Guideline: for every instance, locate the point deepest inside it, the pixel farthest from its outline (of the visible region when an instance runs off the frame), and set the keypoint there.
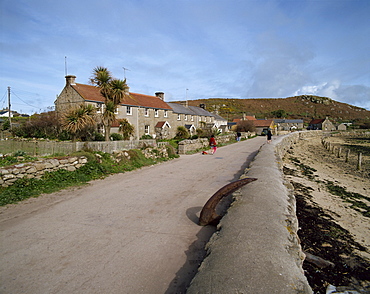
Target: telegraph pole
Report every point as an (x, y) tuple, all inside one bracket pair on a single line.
[(10, 122)]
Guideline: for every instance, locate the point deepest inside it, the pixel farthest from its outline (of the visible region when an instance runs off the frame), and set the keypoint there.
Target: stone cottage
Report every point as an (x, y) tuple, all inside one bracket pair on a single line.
[(321, 124), (150, 115)]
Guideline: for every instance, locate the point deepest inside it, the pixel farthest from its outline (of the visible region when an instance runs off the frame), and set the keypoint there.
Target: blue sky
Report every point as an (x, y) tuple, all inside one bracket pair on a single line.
[(187, 48)]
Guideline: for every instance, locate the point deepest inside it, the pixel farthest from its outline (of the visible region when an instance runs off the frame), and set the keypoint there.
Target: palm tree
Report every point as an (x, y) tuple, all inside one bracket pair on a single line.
[(126, 129), (113, 91), (78, 119), (108, 118)]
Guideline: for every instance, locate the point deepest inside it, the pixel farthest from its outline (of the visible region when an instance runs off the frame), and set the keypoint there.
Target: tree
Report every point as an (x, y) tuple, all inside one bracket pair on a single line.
[(279, 113), (77, 120), (245, 126), (43, 125), (113, 90), (126, 129)]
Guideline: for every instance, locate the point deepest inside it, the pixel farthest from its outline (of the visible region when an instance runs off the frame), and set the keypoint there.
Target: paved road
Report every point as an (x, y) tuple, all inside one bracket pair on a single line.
[(129, 233)]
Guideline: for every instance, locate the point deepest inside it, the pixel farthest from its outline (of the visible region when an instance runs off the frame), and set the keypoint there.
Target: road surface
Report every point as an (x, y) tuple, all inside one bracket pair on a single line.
[(135, 232)]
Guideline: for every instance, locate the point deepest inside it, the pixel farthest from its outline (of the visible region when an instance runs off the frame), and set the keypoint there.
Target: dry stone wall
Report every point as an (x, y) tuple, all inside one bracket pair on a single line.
[(186, 146), (8, 175)]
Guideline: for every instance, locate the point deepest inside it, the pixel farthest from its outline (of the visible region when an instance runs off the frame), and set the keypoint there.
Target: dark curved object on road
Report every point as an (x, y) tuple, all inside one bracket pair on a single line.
[(208, 215)]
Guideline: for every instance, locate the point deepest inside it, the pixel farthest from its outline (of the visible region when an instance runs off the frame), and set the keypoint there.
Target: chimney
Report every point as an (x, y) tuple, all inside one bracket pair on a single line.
[(160, 95), (202, 106), (184, 103), (70, 80)]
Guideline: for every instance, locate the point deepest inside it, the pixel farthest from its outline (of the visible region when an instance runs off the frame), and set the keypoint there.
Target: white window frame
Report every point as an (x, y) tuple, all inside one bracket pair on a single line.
[(178, 116), (156, 112), (128, 110), (146, 112), (166, 113), (185, 117), (99, 107), (192, 118), (147, 129)]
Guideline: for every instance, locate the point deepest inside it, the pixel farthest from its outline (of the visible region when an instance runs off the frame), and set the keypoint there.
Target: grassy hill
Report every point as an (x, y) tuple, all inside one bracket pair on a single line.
[(303, 107)]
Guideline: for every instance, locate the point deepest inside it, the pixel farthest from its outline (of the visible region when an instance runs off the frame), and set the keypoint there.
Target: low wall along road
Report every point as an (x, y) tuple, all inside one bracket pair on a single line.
[(256, 248)]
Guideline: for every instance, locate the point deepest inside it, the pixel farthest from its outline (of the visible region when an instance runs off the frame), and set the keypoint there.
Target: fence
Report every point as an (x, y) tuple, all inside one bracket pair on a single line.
[(339, 151), (43, 148)]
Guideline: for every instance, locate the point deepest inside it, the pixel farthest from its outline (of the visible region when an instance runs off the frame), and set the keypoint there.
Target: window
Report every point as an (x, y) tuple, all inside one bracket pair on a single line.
[(156, 112), (179, 116), (128, 110), (165, 113), (185, 117), (99, 107), (146, 111), (147, 129), (192, 118)]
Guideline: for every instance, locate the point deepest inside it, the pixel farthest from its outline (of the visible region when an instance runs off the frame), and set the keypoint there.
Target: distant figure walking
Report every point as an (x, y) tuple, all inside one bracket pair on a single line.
[(213, 144), (238, 136), (269, 136)]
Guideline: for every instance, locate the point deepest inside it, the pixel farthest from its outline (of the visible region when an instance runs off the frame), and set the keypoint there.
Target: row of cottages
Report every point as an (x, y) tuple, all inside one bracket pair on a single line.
[(150, 115), (274, 125)]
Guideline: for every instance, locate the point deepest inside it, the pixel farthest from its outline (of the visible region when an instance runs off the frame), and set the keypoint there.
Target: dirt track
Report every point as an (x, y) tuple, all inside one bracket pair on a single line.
[(130, 233)]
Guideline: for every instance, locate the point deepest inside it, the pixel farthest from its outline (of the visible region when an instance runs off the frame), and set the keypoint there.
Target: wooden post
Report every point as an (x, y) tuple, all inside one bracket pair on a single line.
[(359, 161), (347, 155), (339, 152)]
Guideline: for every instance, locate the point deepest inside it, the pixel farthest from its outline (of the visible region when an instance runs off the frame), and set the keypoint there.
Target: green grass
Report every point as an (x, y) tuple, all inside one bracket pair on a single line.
[(16, 157), (97, 167)]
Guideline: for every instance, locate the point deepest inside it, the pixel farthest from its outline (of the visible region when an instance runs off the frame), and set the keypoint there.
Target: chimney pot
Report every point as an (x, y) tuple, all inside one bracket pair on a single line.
[(70, 80), (160, 95)]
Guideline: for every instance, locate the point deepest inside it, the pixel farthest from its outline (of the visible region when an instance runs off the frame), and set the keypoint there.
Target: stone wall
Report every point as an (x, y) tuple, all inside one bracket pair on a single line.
[(8, 175), (186, 146), (256, 248)]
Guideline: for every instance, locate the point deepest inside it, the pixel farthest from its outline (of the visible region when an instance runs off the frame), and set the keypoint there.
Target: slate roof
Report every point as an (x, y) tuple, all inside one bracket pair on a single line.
[(179, 108), (290, 121), (200, 111), (218, 117), (92, 93)]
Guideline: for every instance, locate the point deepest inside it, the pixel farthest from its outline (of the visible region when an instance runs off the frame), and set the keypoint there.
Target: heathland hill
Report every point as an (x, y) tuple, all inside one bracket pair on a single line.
[(303, 107)]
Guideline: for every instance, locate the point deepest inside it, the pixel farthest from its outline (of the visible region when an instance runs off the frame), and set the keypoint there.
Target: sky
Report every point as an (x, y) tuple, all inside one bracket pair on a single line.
[(188, 49)]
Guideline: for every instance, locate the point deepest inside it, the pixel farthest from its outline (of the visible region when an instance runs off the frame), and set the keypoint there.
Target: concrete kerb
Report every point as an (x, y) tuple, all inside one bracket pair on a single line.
[(256, 248)]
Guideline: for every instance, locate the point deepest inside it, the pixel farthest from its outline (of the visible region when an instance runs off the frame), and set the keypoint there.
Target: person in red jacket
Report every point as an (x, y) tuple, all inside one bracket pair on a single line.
[(213, 144)]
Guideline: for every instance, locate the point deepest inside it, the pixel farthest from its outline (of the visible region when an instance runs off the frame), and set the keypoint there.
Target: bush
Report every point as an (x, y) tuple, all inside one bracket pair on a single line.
[(146, 137), (98, 137), (182, 133), (116, 137)]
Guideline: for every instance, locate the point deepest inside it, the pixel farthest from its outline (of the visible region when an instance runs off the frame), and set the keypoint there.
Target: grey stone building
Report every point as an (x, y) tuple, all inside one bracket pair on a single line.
[(150, 115)]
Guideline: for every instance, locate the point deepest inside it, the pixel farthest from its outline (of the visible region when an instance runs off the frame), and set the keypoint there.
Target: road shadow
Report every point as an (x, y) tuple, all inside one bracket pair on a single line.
[(194, 256), (196, 251), (193, 214), (244, 166)]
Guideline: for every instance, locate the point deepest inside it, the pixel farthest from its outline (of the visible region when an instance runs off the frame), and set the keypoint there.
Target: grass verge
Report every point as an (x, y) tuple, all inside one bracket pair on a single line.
[(99, 165)]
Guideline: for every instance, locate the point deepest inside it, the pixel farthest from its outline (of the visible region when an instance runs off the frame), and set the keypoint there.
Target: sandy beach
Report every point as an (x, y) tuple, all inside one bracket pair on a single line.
[(333, 209)]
